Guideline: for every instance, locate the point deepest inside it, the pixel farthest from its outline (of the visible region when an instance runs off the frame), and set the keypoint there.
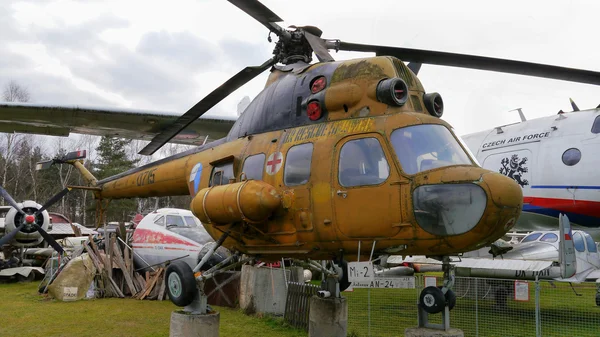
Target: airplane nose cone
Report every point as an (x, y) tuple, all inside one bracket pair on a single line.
[(29, 219)]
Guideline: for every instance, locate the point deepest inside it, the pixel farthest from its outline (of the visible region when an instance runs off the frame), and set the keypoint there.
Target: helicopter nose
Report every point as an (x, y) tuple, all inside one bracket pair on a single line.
[(507, 198)]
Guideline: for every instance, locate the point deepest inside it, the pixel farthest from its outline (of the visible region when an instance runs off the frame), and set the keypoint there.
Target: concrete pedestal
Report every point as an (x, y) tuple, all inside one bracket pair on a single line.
[(184, 324), (328, 317), (425, 332), (263, 289)]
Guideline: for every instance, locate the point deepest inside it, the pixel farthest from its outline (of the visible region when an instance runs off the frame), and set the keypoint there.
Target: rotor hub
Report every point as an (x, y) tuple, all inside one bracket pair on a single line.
[(29, 219)]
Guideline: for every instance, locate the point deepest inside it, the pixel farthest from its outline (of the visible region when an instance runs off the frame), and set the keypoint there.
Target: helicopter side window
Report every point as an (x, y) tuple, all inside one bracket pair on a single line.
[(362, 162), (175, 221), (596, 125), (426, 147), (221, 174), (297, 164), (591, 245), (578, 242), (254, 166)]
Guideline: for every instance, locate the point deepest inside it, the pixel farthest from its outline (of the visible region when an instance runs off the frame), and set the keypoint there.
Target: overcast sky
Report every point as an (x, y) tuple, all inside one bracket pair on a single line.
[(166, 55)]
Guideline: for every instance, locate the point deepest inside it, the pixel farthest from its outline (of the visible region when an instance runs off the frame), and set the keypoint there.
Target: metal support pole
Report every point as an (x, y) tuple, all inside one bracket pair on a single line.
[(211, 251), (476, 309), (538, 327)]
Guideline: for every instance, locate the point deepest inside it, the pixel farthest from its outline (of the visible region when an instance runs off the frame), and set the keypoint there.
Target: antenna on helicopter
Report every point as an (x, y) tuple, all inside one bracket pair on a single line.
[(520, 114), (575, 107)]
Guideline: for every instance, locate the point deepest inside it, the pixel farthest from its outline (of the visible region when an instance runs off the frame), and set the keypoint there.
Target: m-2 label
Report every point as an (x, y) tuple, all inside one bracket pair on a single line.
[(360, 272)]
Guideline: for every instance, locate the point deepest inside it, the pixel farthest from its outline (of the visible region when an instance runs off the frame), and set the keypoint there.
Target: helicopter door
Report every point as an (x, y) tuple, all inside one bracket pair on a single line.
[(366, 203)]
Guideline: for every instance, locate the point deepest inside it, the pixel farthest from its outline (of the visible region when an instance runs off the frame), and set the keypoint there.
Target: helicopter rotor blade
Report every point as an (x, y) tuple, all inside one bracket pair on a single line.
[(10, 200), (49, 239), (478, 62), (53, 200), (319, 47), (8, 237), (204, 105), (262, 14)]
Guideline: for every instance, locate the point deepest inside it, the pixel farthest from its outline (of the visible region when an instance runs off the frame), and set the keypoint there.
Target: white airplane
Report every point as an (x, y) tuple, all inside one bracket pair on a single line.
[(169, 234), (555, 159)]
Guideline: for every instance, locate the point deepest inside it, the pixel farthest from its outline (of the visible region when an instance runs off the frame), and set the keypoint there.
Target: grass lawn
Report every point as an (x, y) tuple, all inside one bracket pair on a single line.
[(26, 313)]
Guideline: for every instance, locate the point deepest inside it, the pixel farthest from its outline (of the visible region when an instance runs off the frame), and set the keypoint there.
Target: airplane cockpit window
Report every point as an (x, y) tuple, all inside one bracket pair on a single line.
[(596, 125), (578, 242), (591, 245), (427, 146), (175, 221), (254, 166), (160, 221), (362, 162), (549, 237), (221, 174), (297, 164), (190, 221), (531, 237)]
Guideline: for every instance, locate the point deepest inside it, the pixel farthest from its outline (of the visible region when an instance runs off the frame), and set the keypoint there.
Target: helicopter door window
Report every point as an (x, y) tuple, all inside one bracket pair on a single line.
[(578, 242), (221, 174), (362, 162), (591, 245), (175, 221), (297, 164), (254, 166), (596, 125), (427, 146)]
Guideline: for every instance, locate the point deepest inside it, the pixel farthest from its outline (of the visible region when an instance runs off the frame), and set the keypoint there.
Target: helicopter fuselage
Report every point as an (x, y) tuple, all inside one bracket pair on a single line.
[(296, 180)]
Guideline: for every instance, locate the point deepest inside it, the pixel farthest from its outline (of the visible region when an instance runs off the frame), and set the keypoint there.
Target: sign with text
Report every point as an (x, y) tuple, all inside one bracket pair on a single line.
[(360, 272), (430, 281), (387, 282), (69, 293), (515, 139), (521, 291)]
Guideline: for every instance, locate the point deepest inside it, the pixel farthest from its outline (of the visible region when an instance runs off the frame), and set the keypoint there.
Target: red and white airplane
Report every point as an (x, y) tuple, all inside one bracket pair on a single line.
[(555, 159), (169, 234)]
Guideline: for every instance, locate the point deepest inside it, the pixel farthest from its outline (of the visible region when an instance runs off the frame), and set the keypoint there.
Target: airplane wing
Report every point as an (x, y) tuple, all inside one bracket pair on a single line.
[(55, 120)]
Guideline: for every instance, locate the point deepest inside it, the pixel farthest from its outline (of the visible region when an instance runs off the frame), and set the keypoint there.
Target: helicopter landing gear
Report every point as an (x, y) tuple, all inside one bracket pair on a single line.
[(434, 300)]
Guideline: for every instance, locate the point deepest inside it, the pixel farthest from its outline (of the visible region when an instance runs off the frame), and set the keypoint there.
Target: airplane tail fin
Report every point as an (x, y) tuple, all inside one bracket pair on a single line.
[(567, 259)]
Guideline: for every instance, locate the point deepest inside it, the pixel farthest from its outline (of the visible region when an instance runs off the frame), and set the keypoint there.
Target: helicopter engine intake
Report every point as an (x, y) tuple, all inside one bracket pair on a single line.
[(251, 201)]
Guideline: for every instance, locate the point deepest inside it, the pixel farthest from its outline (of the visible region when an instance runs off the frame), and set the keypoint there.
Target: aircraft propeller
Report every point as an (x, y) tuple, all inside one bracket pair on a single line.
[(29, 219), (299, 44)]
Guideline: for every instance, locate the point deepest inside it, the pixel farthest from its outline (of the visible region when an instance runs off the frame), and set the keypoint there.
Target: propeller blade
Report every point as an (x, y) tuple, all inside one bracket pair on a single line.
[(43, 165), (10, 200), (319, 47), (262, 14), (50, 239), (414, 67), (75, 155), (204, 105), (54, 199), (8, 237), (478, 62)]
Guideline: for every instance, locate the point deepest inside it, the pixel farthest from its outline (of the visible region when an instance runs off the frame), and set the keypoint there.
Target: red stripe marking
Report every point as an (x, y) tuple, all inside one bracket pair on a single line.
[(141, 235), (584, 207)]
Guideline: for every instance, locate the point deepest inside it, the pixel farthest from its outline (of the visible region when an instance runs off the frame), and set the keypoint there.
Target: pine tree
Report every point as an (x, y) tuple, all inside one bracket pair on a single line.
[(112, 160)]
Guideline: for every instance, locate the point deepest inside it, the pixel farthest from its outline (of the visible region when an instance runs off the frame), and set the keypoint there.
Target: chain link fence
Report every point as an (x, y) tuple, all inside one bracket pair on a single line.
[(484, 307)]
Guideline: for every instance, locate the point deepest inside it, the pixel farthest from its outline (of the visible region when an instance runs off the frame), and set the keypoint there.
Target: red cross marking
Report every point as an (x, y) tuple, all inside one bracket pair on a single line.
[(274, 163)]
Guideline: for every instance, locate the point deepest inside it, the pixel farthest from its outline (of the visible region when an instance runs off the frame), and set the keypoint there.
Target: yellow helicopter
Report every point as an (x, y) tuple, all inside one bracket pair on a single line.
[(332, 154)]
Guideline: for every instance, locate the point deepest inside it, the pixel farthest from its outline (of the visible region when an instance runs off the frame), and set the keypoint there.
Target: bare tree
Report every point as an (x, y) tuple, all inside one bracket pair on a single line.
[(14, 92)]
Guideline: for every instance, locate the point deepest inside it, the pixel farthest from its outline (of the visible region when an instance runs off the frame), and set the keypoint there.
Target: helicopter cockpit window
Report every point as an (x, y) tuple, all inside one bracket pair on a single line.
[(427, 146), (221, 174), (362, 162), (254, 166), (578, 242), (596, 125), (591, 245), (175, 221), (297, 164)]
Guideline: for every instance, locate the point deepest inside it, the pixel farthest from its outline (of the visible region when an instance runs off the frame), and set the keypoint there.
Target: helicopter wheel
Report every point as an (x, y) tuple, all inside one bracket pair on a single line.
[(181, 284), (344, 283), (450, 298), (432, 300), (598, 300)]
